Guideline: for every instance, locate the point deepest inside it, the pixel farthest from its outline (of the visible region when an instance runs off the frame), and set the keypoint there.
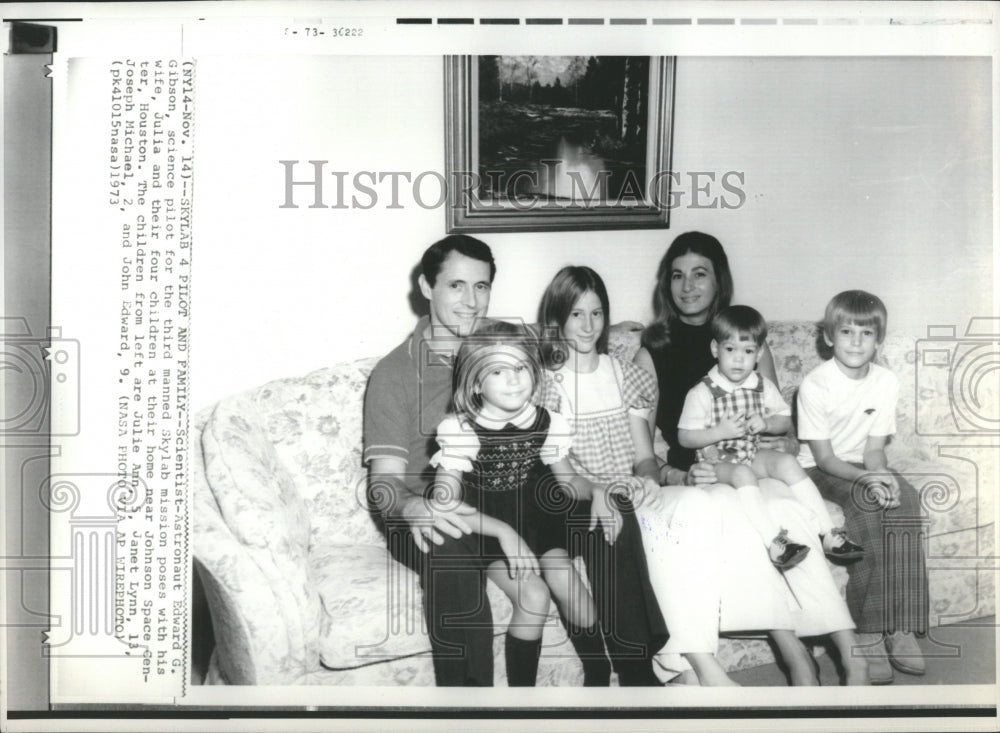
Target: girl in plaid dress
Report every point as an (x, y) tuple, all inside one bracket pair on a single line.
[(723, 417), (608, 403), (504, 456)]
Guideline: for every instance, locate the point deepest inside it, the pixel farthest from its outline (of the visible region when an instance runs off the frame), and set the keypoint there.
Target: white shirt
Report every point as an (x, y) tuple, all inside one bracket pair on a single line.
[(845, 411), (594, 394)]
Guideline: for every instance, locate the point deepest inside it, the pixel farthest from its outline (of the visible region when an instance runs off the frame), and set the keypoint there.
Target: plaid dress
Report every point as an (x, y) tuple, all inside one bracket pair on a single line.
[(741, 401), (597, 407)]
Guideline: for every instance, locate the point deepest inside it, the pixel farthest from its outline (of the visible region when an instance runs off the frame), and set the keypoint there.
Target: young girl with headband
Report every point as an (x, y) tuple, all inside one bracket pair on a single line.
[(507, 458)]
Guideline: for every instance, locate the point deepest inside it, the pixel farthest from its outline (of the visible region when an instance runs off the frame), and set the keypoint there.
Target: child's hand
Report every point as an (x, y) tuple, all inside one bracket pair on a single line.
[(650, 495), (882, 488), (894, 490), (604, 512), (520, 560), (628, 487), (892, 486), (756, 424), (733, 426)]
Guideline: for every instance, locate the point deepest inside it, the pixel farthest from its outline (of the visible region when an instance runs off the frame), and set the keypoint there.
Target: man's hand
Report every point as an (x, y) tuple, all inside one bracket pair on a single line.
[(520, 559), (428, 522), (604, 512)]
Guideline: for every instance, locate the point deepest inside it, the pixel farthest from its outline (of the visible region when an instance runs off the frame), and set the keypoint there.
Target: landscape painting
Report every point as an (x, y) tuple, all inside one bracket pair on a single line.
[(556, 142)]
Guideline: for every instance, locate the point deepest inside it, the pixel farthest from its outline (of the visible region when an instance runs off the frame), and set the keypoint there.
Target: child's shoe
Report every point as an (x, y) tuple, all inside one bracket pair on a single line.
[(837, 546), (785, 554)]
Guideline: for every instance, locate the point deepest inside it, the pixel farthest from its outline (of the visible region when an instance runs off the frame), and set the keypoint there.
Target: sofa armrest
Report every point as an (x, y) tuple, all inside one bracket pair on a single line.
[(251, 537)]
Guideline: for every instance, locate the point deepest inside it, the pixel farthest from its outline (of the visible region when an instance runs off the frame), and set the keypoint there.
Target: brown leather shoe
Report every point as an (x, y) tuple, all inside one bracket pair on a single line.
[(872, 647), (904, 653)]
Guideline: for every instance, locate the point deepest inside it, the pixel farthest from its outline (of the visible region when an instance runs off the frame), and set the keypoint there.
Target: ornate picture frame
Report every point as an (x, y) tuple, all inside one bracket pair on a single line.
[(527, 151)]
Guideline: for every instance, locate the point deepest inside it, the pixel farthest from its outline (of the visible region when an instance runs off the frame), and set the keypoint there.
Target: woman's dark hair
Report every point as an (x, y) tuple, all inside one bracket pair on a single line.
[(657, 334), (557, 303)]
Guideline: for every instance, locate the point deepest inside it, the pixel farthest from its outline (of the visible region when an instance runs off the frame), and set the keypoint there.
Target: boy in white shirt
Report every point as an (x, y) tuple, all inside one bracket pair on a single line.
[(723, 417), (846, 413)]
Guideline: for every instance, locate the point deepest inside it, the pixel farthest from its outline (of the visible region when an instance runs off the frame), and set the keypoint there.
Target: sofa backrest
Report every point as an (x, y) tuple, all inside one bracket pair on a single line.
[(312, 426), (795, 346), (314, 422)]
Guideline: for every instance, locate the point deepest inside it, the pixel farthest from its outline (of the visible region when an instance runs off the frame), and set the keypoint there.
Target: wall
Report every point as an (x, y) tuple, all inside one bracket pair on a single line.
[(859, 172)]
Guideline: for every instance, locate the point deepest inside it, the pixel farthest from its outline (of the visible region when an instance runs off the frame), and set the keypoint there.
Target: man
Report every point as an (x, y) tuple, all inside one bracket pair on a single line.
[(407, 397)]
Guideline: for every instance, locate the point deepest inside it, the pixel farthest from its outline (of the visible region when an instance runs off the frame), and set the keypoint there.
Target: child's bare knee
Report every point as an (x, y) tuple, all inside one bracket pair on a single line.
[(533, 596), (743, 476), (788, 464)]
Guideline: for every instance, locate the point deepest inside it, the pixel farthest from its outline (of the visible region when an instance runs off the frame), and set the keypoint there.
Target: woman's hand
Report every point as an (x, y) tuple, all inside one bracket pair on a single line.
[(604, 512), (520, 559), (701, 474), (782, 443)]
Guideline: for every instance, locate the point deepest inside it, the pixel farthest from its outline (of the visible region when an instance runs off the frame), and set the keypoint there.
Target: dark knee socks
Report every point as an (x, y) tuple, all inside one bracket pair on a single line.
[(589, 646), (522, 660)]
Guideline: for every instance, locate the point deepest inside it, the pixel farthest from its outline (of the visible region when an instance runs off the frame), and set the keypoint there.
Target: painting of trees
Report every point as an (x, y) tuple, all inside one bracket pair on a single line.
[(591, 110)]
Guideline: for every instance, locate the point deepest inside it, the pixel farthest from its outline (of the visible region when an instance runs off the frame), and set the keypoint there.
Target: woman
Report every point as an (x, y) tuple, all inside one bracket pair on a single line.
[(693, 283)]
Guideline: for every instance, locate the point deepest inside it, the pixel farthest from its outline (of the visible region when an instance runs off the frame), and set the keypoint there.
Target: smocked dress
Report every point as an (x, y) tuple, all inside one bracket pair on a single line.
[(506, 474)]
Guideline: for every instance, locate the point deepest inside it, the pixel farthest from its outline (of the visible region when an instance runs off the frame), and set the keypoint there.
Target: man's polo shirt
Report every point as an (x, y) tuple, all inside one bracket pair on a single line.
[(407, 398)]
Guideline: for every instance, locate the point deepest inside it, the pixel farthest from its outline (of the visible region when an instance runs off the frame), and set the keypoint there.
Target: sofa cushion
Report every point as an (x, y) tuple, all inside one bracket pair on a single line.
[(371, 603), (373, 612)]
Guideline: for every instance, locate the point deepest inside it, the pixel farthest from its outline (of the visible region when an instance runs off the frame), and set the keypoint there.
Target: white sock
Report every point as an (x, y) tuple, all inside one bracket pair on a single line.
[(753, 507), (806, 493)]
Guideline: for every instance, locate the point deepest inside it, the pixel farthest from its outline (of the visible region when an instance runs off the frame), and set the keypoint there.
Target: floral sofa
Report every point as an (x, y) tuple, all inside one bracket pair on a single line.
[(302, 590)]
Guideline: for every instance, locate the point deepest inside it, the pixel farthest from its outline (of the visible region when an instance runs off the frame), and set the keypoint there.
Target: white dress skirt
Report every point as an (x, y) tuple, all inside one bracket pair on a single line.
[(711, 573)]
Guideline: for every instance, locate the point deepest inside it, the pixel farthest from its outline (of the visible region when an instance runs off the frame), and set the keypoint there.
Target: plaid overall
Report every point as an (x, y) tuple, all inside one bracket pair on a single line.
[(741, 401)]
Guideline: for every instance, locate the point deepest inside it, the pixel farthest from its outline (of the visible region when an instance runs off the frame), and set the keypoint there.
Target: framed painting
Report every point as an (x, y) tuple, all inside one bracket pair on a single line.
[(549, 143)]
